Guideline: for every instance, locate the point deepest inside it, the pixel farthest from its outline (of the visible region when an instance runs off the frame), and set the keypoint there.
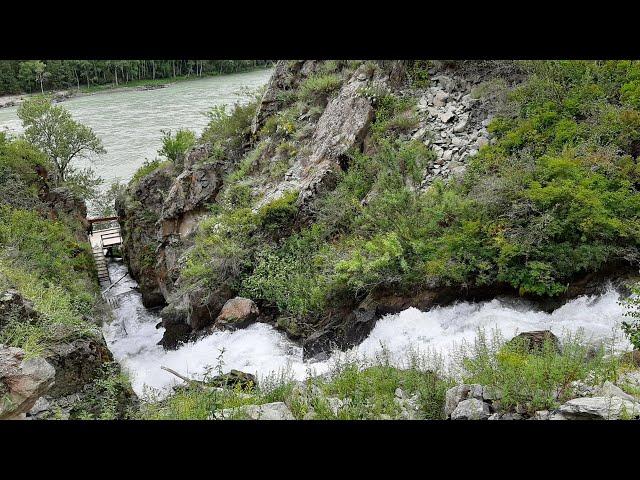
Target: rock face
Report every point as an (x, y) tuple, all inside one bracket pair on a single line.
[(237, 313), (161, 212), (76, 363), (22, 381), (343, 125), (139, 209)]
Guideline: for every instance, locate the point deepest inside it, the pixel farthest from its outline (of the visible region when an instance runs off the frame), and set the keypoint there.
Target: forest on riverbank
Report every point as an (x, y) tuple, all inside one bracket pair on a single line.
[(29, 76)]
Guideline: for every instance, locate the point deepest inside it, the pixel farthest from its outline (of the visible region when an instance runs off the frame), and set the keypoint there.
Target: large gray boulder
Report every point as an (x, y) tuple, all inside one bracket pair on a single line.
[(472, 409), (460, 393), (22, 381), (600, 408)]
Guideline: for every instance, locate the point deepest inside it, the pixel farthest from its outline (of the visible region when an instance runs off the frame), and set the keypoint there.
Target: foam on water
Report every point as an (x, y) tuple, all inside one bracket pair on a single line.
[(262, 350)]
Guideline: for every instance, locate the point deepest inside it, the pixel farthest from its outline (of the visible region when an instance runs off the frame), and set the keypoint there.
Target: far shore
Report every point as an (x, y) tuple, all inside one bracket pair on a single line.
[(62, 95)]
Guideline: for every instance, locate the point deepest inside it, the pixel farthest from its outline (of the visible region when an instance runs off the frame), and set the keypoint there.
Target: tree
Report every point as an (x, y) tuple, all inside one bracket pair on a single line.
[(34, 69), (174, 146), (53, 130)]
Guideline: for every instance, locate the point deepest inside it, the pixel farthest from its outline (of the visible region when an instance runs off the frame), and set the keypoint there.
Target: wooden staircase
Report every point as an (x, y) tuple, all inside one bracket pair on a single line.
[(101, 263)]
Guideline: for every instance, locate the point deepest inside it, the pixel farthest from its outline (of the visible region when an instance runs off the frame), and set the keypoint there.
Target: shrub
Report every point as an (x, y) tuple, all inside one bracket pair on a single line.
[(632, 328), (279, 212), (534, 381), (147, 167), (176, 145), (317, 88)]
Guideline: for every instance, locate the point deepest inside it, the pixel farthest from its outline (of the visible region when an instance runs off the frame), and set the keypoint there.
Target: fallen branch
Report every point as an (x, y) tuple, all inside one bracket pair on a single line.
[(182, 377)]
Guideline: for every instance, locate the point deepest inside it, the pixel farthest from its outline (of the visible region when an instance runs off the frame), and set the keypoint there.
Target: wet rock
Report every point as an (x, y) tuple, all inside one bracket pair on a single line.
[(237, 313), (22, 381), (471, 409), (139, 208), (234, 378), (534, 341)]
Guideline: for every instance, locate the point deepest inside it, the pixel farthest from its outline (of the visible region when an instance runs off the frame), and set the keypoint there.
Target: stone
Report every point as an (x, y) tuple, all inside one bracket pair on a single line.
[(457, 394), (491, 393), (22, 381), (611, 390), (336, 404), (631, 378), (462, 123), (440, 98), (534, 340), (237, 313), (604, 408), (446, 117), (267, 411), (76, 363), (481, 142), (471, 409)]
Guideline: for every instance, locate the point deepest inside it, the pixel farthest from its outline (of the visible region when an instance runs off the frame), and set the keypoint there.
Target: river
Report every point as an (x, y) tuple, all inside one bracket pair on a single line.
[(129, 122), (436, 336)]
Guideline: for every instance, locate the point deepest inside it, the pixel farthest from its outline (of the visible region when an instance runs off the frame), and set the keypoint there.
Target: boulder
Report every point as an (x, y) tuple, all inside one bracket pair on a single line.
[(14, 306), (246, 381), (22, 381), (534, 341), (601, 408), (76, 363), (237, 313), (471, 409), (460, 393), (611, 390)]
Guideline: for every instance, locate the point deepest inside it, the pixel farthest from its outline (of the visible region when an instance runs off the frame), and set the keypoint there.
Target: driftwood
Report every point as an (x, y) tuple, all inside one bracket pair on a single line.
[(182, 377)]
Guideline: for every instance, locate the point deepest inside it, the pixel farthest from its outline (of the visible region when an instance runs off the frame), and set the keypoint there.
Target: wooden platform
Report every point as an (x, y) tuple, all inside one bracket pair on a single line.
[(101, 241)]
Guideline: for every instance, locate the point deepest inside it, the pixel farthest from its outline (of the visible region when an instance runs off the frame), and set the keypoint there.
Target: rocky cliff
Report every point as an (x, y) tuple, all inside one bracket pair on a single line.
[(161, 212), (284, 202)]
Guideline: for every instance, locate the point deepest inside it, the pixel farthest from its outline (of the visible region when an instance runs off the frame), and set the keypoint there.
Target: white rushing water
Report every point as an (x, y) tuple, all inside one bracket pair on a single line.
[(262, 350), (129, 122)]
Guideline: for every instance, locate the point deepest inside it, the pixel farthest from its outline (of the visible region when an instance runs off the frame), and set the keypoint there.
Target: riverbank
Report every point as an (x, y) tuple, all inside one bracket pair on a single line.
[(63, 95)]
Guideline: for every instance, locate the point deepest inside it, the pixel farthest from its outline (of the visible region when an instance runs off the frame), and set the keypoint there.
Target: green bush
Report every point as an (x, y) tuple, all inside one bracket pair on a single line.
[(278, 213), (148, 167), (632, 328), (176, 145), (318, 87)]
